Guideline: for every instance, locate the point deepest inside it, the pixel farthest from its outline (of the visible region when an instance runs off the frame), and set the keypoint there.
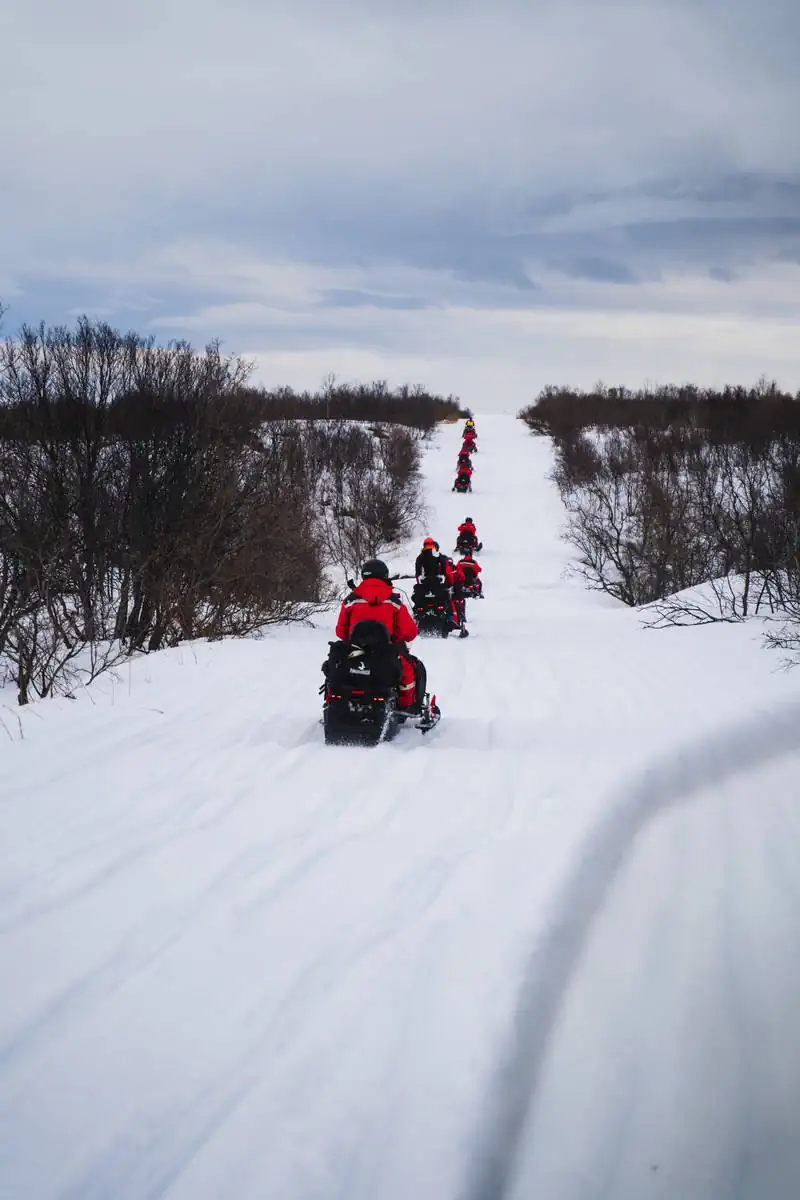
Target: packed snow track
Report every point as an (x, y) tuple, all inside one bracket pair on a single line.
[(547, 951)]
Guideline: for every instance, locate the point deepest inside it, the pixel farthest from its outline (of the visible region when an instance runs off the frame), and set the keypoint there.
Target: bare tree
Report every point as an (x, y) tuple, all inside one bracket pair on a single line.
[(149, 495), (670, 488)]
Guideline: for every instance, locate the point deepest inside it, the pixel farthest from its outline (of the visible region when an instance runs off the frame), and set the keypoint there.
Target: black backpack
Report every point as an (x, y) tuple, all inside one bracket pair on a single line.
[(369, 661), (429, 592)]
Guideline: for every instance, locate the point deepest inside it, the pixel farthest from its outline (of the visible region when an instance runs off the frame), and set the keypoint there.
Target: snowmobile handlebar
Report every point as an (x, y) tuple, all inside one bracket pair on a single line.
[(351, 583)]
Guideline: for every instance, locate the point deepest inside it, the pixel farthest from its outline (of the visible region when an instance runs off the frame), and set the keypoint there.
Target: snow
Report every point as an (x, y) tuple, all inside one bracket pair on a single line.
[(550, 950)]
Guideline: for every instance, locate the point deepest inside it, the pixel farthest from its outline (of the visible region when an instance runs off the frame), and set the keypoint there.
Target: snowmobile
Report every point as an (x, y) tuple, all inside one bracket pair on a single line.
[(471, 591), (463, 483), (432, 610), (468, 542), (362, 678), (430, 607)]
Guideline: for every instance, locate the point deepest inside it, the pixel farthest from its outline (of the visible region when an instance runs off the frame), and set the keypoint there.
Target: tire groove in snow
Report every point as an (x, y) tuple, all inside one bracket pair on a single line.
[(672, 779)]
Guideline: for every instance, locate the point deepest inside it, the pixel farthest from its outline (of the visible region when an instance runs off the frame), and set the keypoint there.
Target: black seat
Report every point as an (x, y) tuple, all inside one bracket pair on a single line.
[(370, 635)]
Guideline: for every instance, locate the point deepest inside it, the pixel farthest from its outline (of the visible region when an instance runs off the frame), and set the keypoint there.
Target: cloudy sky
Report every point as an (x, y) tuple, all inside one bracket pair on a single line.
[(482, 195)]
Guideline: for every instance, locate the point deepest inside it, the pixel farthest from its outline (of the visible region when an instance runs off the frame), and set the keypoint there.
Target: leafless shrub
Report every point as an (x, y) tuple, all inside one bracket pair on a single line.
[(708, 493), (729, 414), (148, 496), (410, 405), (721, 601), (371, 493)]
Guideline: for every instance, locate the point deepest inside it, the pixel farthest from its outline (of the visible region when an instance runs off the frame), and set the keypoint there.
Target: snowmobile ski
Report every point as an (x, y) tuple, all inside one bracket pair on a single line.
[(431, 714)]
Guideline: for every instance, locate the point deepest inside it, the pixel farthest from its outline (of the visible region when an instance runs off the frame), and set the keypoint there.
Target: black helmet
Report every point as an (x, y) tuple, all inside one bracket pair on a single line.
[(467, 554), (467, 519), (375, 569)]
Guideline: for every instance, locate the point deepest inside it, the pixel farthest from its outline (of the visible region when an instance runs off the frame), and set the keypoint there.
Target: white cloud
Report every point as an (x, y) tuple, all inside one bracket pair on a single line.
[(229, 169), (166, 100), (560, 347)]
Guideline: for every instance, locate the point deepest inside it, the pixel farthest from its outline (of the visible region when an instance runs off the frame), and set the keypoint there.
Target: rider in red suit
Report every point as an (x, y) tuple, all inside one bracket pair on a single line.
[(463, 473), (469, 571), (374, 600), (468, 526)]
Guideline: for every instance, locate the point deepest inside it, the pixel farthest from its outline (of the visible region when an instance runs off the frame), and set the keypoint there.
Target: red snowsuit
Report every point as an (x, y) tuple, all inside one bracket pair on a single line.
[(469, 571), (374, 600), (469, 527)]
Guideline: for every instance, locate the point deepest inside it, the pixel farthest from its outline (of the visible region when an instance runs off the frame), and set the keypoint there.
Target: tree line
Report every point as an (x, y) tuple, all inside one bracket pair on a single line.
[(671, 488), (410, 405), (149, 495)]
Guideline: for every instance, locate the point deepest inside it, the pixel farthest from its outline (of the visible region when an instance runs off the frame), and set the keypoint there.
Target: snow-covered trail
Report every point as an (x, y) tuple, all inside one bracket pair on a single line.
[(549, 950)]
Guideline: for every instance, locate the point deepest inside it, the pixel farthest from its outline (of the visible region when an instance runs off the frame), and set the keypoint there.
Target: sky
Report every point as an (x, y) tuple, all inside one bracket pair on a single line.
[(483, 196)]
